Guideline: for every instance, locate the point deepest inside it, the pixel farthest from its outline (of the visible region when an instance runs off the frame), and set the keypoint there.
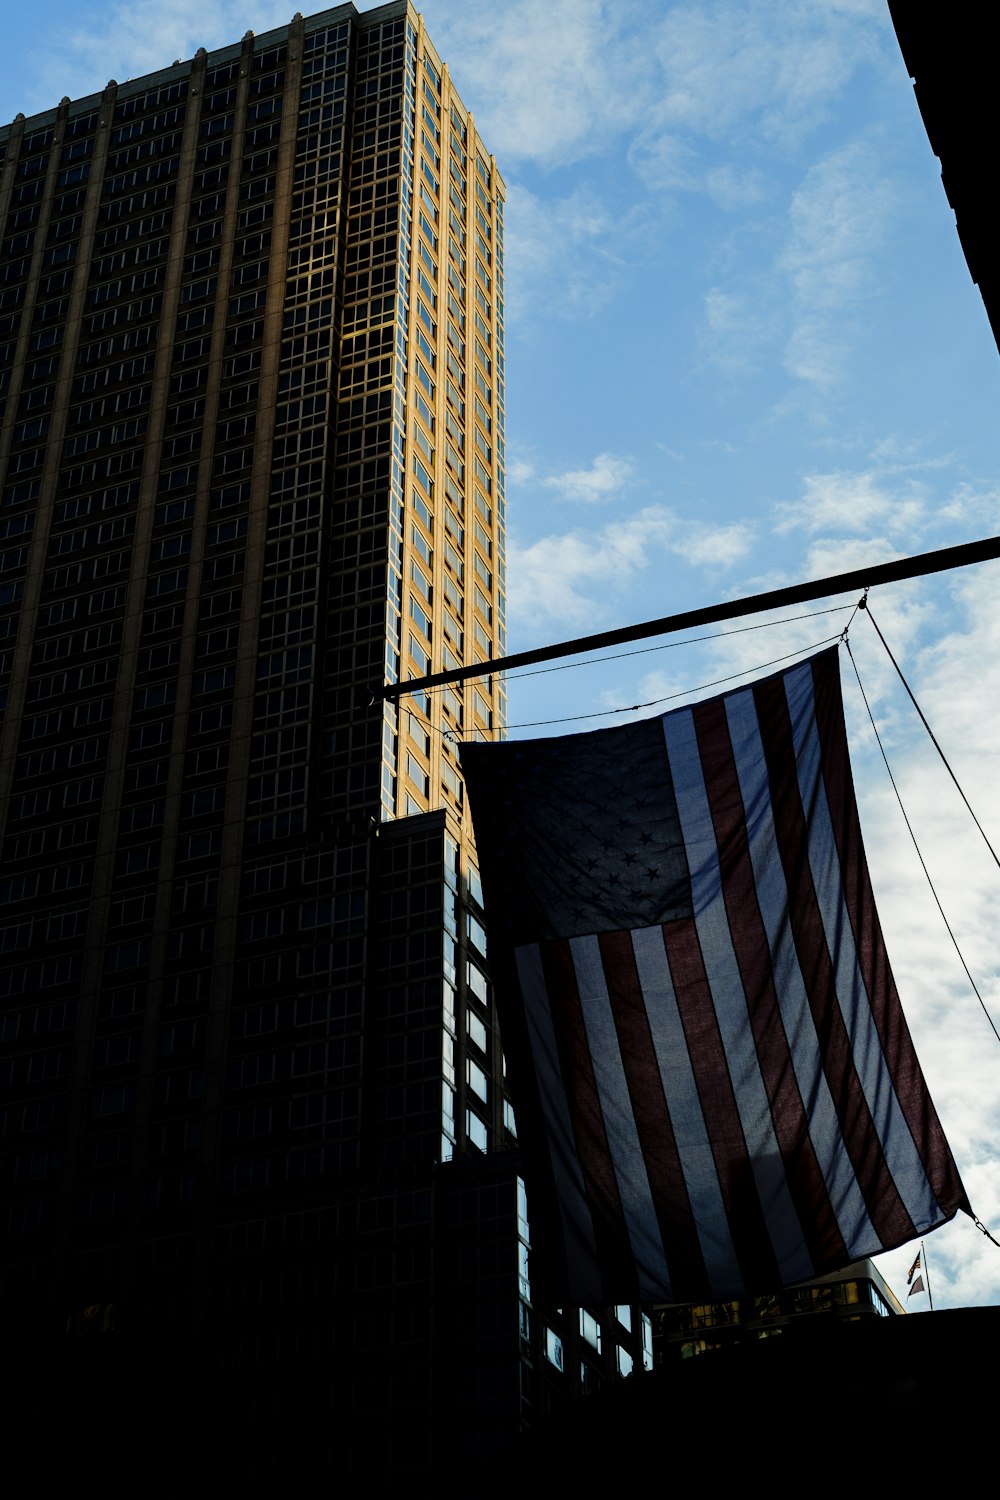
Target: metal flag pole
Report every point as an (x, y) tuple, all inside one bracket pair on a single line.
[(919, 566), (923, 1281)]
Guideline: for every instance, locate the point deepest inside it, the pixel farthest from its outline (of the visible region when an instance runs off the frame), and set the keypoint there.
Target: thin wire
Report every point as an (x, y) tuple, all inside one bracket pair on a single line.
[(630, 708), (934, 742), (916, 846), (683, 692), (691, 640)]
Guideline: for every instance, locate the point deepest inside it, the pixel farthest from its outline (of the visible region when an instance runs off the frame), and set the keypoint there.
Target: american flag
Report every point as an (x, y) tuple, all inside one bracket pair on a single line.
[(715, 1085)]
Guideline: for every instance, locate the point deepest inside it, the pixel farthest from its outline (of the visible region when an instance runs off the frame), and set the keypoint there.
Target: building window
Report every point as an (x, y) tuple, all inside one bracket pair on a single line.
[(477, 1031), (476, 1131), (477, 1081), (454, 786), (476, 932), (590, 1329)]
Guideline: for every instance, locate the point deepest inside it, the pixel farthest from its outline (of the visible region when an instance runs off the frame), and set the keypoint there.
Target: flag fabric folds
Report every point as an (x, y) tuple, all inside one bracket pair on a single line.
[(910, 1273), (917, 1286), (715, 1086)]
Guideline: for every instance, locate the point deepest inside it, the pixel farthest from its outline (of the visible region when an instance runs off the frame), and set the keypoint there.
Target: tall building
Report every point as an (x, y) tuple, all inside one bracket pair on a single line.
[(255, 1135)]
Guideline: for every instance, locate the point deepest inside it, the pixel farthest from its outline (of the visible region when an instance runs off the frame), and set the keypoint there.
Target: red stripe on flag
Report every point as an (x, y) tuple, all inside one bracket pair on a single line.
[(750, 944), (894, 1034), (747, 1228), (886, 1209), (681, 1245), (614, 1250)]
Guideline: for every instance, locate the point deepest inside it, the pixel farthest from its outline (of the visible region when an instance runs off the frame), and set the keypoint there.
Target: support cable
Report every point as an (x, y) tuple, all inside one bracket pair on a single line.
[(862, 604), (457, 736), (631, 708), (916, 846), (925, 563), (691, 640)]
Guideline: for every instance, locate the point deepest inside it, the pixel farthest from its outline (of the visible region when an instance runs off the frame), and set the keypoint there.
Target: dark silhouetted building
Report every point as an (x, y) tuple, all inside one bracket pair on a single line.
[(252, 457), (954, 78)]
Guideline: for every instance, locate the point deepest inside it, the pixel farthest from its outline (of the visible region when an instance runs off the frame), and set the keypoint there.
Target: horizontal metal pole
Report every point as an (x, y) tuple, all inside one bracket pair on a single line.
[(925, 563)]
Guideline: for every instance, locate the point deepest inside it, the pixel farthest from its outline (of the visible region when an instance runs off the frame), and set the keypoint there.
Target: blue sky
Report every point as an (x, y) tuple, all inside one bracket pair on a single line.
[(744, 349)]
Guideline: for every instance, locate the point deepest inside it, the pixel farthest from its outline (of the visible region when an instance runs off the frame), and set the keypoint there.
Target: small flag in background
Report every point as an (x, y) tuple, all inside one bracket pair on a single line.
[(917, 1286), (914, 1267), (715, 1086)]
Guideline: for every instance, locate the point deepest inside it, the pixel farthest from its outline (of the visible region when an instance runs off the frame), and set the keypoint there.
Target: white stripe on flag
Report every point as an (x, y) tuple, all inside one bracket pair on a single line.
[(901, 1153), (846, 1197), (726, 985), (619, 1120), (694, 1149)]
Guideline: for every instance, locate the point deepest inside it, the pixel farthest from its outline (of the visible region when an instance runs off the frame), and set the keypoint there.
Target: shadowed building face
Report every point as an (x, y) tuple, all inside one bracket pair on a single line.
[(251, 465)]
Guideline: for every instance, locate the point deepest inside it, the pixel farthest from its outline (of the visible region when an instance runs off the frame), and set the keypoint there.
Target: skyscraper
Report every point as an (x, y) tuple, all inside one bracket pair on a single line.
[(252, 452)]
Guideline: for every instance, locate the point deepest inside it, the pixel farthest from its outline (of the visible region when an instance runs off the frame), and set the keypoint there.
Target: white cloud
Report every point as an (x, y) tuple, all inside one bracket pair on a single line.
[(741, 74), (857, 503), (703, 545), (896, 506), (608, 475), (837, 222), (549, 84), (689, 89), (520, 471), (806, 294), (973, 506), (732, 189), (564, 254), (571, 579), (736, 329), (800, 284), (765, 67)]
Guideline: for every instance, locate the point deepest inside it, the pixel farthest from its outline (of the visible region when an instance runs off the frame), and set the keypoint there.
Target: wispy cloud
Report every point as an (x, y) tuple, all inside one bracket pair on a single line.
[(575, 577), (737, 328), (800, 295), (550, 84), (837, 221), (772, 69), (608, 475), (857, 503), (745, 73), (564, 254), (554, 84), (520, 470), (899, 499)]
